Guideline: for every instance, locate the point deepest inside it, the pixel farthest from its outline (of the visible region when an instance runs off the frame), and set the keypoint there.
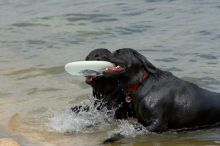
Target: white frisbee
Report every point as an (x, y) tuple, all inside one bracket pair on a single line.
[(87, 68)]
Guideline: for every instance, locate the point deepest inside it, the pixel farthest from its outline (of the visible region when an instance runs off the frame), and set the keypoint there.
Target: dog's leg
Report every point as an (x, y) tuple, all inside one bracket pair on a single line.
[(156, 126), (85, 108), (77, 109), (113, 138), (118, 136)]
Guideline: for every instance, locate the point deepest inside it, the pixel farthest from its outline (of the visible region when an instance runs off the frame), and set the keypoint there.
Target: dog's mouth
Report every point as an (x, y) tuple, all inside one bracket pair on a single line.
[(109, 70), (115, 69)]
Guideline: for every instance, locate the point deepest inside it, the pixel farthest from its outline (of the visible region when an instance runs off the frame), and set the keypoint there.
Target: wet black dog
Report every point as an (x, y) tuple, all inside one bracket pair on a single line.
[(161, 100), (107, 91)]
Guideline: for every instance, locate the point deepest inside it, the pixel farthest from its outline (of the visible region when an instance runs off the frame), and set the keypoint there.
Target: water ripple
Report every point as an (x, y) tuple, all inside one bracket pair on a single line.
[(167, 59), (159, 1), (136, 13), (128, 30), (37, 90), (28, 24), (33, 72), (94, 18), (207, 56)]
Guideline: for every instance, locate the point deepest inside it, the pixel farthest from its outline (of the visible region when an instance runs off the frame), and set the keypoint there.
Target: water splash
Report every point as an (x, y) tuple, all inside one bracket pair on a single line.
[(82, 122), (129, 129), (93, 120)]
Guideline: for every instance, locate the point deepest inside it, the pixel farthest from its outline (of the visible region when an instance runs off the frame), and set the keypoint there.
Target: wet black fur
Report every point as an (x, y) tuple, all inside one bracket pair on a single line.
[(164, 101), (107, 91)]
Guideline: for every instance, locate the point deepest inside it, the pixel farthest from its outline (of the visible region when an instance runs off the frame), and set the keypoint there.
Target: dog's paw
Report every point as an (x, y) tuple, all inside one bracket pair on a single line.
[(76, 109), (113, 138)]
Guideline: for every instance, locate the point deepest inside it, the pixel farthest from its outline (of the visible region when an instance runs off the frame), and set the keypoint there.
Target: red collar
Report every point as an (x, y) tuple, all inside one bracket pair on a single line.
[(137, 85)]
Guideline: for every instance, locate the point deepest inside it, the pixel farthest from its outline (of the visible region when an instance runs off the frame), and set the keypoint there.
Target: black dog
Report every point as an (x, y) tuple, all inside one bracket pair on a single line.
[(107, 90), (162, 101)]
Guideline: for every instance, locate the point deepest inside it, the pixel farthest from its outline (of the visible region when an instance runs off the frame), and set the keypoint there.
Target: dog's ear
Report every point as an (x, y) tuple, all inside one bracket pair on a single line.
[(147, 65)]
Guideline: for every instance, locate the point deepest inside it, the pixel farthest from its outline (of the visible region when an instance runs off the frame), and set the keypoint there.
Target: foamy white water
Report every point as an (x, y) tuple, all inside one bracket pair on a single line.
[(67, 121), (82, 122)]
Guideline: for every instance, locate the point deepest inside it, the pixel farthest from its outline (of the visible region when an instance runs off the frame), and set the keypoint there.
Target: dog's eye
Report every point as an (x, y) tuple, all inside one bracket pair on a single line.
[(118, 52), (96, 55)]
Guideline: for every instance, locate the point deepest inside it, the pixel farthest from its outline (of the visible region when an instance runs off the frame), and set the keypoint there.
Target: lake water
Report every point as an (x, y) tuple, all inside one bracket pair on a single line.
[(37, 38)]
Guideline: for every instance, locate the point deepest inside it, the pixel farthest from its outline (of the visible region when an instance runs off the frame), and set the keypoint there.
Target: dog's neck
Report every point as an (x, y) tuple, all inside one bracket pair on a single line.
[(133, 87)]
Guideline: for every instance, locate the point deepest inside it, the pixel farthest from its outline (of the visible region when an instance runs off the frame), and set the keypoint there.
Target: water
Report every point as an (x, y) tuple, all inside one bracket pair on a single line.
[(39, 37)]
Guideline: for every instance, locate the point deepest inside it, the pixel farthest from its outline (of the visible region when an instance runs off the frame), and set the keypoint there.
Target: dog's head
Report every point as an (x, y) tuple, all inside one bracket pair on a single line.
[(130, 66), (100, 54), (103, 87)]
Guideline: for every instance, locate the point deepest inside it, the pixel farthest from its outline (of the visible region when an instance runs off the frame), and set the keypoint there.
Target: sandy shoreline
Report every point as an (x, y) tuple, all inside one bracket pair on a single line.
[(8, 142)]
